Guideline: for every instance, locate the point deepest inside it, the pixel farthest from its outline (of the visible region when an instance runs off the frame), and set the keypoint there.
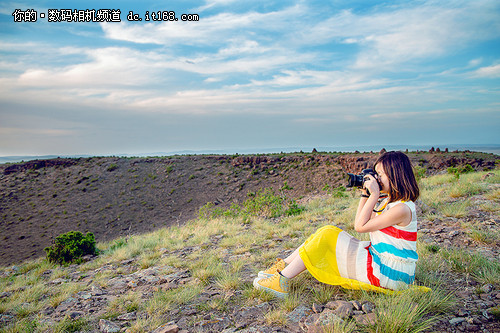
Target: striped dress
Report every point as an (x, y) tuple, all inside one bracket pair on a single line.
[(385, 263)]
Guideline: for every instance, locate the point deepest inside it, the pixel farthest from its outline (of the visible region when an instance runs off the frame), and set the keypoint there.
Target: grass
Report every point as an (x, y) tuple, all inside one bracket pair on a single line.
[(219, 252), (474, 264)]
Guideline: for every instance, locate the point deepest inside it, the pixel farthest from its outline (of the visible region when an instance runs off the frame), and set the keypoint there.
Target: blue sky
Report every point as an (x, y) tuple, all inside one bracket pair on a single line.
[(250, 75)]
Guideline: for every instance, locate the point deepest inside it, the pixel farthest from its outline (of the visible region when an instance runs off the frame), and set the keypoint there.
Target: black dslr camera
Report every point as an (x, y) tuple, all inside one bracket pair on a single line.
[(359, 180)]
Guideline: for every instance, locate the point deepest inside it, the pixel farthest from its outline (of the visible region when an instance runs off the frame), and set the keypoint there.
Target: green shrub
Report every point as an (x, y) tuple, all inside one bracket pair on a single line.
[(264, 203), (460, 170), (70, 247), (112, 167), (419, 172)]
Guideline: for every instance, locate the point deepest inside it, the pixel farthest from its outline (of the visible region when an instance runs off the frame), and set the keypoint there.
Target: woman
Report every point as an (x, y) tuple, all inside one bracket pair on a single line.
[(385, 263)]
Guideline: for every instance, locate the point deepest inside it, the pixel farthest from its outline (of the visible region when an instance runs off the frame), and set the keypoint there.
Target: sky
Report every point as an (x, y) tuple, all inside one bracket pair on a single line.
[(247, 75)]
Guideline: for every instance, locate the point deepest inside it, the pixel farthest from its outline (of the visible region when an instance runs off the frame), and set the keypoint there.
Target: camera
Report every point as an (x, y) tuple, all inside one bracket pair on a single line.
[(359, 180)]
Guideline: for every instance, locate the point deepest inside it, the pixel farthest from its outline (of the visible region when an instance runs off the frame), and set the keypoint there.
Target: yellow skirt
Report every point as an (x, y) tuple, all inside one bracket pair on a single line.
[(334, 257)]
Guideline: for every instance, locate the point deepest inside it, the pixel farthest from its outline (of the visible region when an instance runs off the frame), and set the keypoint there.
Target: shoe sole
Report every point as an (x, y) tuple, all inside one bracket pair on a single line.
[(263, 275), (276, 293)]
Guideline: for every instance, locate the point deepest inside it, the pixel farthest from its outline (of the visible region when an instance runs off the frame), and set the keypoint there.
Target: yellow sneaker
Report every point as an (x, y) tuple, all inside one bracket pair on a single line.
[(279, 265), (276, 284)]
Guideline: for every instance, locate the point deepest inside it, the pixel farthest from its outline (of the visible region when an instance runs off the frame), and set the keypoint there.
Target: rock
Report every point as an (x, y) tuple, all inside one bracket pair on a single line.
[(462, 313), (368, 307), (5, 294), (494, 312), (298, 314), (58, 281), (309, 322), (95, 291), (210, 324), (76, 314), (85, 295), (453, 233), (106, 326), (328, 318), (487, 288), (356, 305), (66, 305), (133, 283), (335, 304), (366, 319), (167, 328), (456, 320), (128, 316), (117, 285), (344, 311), (317, 308), (245, 316)]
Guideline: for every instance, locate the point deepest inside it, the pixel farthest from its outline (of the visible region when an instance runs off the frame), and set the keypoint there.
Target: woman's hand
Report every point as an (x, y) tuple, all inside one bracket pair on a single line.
[(371, 185)]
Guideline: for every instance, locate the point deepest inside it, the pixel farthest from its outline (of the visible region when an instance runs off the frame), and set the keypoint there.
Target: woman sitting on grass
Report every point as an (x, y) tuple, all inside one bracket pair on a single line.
[(386, 262)]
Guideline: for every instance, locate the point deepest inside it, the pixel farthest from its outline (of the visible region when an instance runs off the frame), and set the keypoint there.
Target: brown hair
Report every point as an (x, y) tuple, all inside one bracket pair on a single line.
[(402, 182)]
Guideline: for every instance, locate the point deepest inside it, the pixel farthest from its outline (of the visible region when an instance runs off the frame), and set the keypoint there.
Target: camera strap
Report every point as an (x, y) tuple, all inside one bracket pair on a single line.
[(383, 206)]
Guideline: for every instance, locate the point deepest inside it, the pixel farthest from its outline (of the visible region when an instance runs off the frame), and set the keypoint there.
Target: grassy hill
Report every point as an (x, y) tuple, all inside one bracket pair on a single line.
[(197, 277)]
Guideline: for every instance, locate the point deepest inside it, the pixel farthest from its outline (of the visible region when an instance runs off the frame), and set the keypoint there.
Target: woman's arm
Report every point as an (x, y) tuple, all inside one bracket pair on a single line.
[(365, 211), (366, 221)]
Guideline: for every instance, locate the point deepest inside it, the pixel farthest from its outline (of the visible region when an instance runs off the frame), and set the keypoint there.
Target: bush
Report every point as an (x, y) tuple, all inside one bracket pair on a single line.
[(420, 172), (70, 247), (460, 170), (263, 203), (112, 167)]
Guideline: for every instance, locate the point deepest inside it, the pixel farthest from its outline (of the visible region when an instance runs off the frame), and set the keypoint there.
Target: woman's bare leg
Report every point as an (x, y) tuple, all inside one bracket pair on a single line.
[(294, 268), (292, 256)]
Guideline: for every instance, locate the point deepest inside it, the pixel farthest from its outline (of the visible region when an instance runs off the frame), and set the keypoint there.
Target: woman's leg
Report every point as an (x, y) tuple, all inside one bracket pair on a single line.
[(295, 267), (292, 256)]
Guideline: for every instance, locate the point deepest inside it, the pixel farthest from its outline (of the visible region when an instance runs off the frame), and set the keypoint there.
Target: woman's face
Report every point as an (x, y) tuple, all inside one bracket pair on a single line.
[(383, 180)]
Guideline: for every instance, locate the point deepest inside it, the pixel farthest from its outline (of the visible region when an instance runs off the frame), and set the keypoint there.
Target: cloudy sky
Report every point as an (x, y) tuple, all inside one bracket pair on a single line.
[(249, 75)]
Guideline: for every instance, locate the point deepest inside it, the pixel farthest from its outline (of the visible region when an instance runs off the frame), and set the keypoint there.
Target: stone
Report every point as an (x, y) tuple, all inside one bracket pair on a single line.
[(5, 294), (487, 288), (298, 314), (128, 316), (356, 305), (133, 283), (58, 281), (456, 320), (494, 312), (167, 328), (309, 321), (335, 304), (368, 307), (366, 319), (66, 305), (317, 308), (76, 314), (85, 295), (328, 318), (106, 326), (344, 311)]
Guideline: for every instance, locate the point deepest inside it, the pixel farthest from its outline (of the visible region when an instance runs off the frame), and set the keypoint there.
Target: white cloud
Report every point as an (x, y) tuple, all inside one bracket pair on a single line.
[(492, 72), (213, 3), (399, 34), (211, 30), (107, 67)]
